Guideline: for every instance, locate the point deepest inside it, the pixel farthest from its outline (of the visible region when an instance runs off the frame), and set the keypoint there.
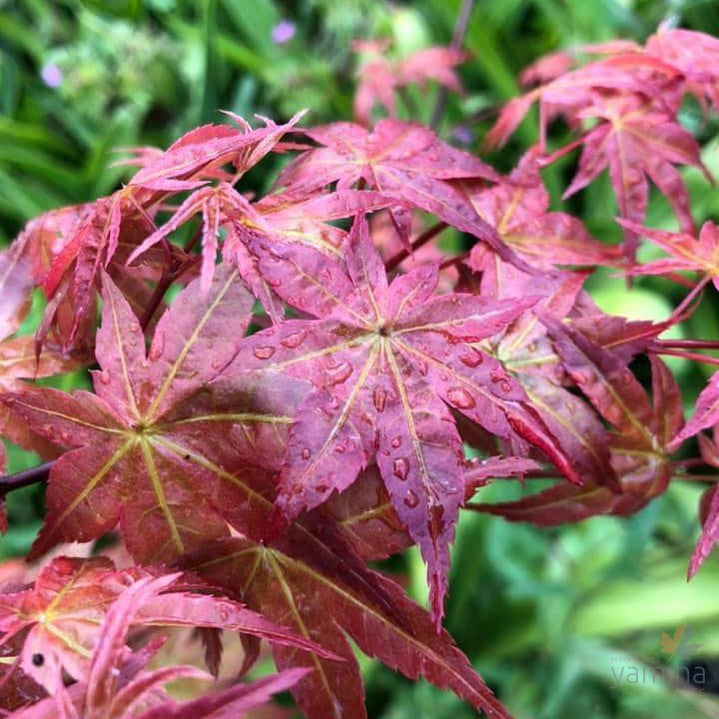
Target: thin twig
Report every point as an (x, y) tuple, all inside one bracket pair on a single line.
[(163, 284), (460, 30), (422, 240), (690, 356), (25, 478), (690, 344)]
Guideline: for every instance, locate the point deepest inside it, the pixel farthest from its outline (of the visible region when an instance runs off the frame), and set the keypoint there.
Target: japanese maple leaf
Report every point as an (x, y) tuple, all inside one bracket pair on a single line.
[(201, 153), (65, 608), (686, 252), (116, 684), (636, 142), (639, 443), (403, 160), (706, 413), (696, 54), (387, 360), (152, 445), (380, 79), (18, 356), (525, 350), (620, 75), (518, 209), (279, 218), (311, 578)]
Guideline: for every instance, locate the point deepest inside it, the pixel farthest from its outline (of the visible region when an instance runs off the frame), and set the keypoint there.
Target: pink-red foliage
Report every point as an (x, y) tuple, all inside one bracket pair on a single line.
[(304, 407)]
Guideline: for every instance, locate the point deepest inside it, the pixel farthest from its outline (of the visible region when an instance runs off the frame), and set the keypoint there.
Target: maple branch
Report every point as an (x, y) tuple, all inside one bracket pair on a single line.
[(168, 277), (25, 478), (690, 356), (454, 261), (460, 30), (690, 344), (422, 240), (681, 307), (696, 477)]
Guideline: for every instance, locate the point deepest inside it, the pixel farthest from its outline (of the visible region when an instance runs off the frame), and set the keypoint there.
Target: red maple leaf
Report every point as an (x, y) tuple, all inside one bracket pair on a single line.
[(153, 444), (386, 361)]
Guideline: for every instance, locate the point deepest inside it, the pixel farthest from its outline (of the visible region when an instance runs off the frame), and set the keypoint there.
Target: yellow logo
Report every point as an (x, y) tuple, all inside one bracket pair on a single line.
[(678, 643)]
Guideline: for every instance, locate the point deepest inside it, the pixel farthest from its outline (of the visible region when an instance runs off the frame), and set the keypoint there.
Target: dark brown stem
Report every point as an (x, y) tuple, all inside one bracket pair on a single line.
[(460, 30), (422, 240), (454, 260), (25, 478), (167, 278), (192, 242)]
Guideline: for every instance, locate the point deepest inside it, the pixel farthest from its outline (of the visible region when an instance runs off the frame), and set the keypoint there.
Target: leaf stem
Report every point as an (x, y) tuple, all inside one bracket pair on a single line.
[(690, 344), (690, 356), (460, 30), (25, 478), (422, 240)]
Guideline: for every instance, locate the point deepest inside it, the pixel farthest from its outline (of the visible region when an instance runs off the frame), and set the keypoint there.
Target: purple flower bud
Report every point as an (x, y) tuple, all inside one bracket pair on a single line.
[(283, 32), (51, 75)]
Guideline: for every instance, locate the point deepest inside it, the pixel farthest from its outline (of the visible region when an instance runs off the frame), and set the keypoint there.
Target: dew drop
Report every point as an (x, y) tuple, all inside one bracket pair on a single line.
[(379, 397), (105, 377), (224, 614), (263, 353), (306, 453), (471, 357), (340, 373), (340, 449), (410, 499), (505, 386), (460, 398), (396, 442), (294, 340), (400, 468)]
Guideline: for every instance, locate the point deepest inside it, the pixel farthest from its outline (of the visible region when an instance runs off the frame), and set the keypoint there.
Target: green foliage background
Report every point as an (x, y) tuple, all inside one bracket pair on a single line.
[(551, 618)]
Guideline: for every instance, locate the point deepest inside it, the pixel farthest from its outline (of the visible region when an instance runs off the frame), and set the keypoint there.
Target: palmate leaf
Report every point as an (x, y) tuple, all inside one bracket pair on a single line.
[(518, 209), (696, 54), (200, 153), (404, 161), (639, 443), (144, 441), (387, 362), (278, 218), (312, 579), (116, 684), (686, 252), (637, 142), (380, 79), (623, 73), (67, 604)]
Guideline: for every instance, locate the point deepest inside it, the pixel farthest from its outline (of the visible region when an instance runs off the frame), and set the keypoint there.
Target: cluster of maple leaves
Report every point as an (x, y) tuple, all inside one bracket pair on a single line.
[(304, 407)]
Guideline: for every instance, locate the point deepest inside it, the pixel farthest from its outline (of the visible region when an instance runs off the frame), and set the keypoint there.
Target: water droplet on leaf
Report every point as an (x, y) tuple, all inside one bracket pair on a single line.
[(400, 468), (411, 499), (263, 353), (460, 398), (471, 357), (294, 340)]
